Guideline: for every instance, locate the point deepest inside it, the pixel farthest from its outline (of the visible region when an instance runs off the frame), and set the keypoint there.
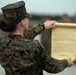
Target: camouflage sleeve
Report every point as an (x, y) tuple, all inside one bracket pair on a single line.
[(32, 32), (52, 65)]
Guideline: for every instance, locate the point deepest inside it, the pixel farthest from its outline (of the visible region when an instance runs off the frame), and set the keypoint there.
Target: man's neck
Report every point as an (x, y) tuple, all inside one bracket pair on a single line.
[(16, 33)]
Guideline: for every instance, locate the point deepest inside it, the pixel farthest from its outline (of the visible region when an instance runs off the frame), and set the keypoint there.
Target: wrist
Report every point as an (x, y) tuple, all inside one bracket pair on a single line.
[(42, 24)]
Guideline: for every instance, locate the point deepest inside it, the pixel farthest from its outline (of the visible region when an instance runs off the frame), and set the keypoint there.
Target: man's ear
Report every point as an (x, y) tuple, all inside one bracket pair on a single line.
[(22, 22)]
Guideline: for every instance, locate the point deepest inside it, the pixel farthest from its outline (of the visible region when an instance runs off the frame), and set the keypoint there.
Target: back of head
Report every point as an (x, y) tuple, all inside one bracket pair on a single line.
[(13, 14)]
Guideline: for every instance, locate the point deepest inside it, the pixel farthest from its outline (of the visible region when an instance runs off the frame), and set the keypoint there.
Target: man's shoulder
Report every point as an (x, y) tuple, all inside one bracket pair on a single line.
[(4, 38)]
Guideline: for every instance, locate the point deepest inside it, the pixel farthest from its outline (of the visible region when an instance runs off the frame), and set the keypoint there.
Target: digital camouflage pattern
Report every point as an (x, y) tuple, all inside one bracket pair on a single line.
[(20, 56), (32, 32), (15, 10)]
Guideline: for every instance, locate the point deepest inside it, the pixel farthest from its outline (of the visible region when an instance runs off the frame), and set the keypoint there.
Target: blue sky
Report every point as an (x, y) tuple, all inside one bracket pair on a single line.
[(46, 6)]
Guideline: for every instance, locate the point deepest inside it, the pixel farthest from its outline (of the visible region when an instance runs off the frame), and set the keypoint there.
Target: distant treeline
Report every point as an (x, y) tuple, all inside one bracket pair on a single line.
[(56, 17)]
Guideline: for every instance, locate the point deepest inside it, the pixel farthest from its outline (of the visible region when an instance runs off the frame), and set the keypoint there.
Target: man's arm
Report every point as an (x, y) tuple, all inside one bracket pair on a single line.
[(53, 65), (31, 33)]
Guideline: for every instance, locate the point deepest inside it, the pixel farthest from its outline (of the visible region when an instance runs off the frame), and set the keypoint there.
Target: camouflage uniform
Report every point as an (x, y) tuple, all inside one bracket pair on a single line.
[(20, 56), (32, 32), (25, 56)]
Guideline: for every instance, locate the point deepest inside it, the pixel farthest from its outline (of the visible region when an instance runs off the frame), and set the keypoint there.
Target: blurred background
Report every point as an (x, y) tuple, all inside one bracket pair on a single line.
[(41, 11)]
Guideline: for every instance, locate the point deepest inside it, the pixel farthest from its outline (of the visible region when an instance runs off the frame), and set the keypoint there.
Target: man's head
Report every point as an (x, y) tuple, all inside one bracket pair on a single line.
[(13, 14)]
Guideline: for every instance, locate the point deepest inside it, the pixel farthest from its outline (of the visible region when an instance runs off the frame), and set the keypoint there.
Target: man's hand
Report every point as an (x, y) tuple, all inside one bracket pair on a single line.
[(49, 24), (70, 62)]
